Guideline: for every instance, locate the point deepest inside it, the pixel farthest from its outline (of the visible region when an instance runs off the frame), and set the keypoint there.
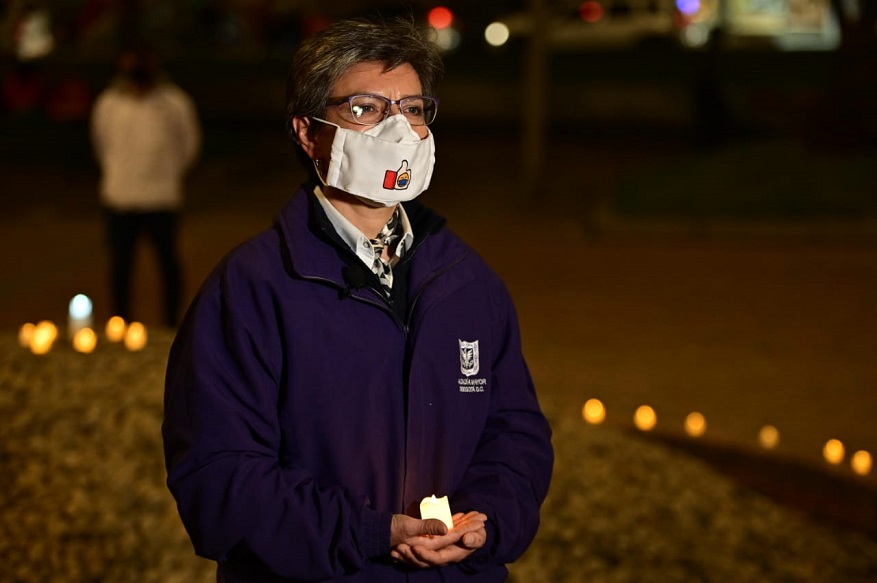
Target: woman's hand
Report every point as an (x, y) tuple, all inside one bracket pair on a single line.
[(434, 549)]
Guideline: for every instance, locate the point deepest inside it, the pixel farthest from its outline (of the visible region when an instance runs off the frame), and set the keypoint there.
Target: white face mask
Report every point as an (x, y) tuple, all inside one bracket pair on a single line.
[(386, 164)]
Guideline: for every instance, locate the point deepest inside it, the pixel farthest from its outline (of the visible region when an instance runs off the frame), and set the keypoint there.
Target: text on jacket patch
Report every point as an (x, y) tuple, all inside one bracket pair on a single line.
[(469, 366)]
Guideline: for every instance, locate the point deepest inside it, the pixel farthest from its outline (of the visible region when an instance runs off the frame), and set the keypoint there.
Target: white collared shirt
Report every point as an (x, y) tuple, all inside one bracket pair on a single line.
[(355, 238)]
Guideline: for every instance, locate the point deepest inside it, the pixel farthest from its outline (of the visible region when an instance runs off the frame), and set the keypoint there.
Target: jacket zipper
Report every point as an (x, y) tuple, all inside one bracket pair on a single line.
[(405, 327)]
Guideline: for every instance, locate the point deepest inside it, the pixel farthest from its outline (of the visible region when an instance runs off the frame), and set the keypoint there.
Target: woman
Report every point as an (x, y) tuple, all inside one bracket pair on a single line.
[(356, 358)]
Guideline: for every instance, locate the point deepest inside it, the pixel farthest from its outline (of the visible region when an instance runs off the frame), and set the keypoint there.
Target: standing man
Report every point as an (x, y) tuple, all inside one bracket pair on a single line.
[(356, 358), (146, 135)]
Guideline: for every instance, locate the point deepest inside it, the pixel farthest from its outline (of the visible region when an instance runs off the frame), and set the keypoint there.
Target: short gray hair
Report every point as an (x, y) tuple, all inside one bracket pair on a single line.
[(322, 59)]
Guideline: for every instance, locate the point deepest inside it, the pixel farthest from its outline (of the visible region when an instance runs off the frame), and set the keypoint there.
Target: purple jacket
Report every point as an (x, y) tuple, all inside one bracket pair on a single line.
[(301, 412)]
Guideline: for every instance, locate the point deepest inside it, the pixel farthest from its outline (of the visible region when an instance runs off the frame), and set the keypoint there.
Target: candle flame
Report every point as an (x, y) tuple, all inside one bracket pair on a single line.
[(593, 411), (695, 424), (135, 336), (862, 463), (115, 329), (645, 418), (84, 340), (25, 334), (769, 437), (833, 451), (43, 337)]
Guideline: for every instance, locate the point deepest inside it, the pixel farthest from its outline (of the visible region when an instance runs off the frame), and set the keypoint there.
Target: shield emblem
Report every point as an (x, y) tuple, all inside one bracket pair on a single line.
[(469, 358)]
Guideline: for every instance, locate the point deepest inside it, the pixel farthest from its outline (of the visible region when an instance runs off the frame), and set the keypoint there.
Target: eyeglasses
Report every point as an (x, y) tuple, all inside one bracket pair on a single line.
[(369, 110)]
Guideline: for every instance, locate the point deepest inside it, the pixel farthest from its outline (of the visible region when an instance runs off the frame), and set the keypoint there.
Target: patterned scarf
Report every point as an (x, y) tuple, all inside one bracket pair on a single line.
[(388, 235)]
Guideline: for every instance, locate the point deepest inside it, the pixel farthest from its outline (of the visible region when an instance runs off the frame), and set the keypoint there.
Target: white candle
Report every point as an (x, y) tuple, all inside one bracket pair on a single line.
[(432, 507), (79, 315)]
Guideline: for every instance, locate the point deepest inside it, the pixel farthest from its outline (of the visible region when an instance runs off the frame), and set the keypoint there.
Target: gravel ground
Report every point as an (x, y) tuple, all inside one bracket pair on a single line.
[(83, 495)]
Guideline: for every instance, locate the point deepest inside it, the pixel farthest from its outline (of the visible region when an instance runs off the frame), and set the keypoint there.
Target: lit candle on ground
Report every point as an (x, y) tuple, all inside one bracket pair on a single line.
[(115, 329), (135, 336), (645, 418), (25, 334), (79, 314), (861, 463), (432, 507), (695, 424), (43, 337), (833, 451), (84, 340), (594, 412), (769, 437)]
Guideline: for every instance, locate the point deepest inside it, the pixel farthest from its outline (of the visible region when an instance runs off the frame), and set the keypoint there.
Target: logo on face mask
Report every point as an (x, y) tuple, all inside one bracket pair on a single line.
[(398, 179)]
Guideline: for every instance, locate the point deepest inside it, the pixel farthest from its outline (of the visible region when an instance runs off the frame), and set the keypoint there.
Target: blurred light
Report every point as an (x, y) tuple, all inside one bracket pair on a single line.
[(47, 328), (769, 437), (833, 451), (688, 7), (80, 307), (43, 337), (594, 412), (84, 340), (115, 328), (591, 11), (440, 17), (135, 337), (33, 36), (496, 34), (695, 424), (861, 463), (447, 39), (79, 314), (645, 418), (25, 334), (695, 35)]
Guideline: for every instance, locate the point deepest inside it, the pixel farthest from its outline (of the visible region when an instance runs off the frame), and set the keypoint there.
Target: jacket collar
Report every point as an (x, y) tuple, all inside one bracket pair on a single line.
[(316, 251)]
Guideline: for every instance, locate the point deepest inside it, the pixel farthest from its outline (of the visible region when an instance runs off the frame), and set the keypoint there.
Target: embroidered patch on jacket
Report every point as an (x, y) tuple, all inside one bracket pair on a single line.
[(469, 361), (470, 365)]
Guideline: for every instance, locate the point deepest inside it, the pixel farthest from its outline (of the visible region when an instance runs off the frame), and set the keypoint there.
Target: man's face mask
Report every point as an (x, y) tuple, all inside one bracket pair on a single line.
[(386, 164)]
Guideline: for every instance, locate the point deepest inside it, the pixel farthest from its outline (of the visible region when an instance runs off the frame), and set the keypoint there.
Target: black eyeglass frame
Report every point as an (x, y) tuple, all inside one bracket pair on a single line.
[(390, 103)]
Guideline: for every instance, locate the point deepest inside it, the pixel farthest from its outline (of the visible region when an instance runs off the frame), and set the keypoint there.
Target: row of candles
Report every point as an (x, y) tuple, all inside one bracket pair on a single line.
[(40, 337), (645, 419)]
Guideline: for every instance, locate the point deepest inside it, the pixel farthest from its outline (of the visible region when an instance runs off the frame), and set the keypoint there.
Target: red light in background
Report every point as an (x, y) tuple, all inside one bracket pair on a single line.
[(440, 17), (591, 11)]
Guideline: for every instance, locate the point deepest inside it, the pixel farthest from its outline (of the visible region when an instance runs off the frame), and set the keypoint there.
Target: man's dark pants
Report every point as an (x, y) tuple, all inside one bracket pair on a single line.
[(123, 231)]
